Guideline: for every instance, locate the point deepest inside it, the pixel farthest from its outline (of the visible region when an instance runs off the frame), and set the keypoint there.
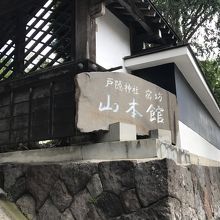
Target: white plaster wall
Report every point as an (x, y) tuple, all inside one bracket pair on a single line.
[(194, 143), (112, 41)]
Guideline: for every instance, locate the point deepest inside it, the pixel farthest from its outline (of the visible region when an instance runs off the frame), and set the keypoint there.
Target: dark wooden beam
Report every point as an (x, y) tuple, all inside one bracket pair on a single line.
[(149, 39), (108, 2), (138, 40), (97, 9), (11, 6), (136, 14), (84, 32), (20, 33), (117, 10)]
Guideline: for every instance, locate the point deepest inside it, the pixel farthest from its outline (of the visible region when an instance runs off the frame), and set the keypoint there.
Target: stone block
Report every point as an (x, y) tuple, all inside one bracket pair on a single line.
[(39, 182), (17, 190), (130, 201), (83, 207), (180, 184), (162, 135), (117, 176), (27, 205), (121, 97), (151, 181), (67, 215), (164, 209), (110, 205), (77, 177), (120, 132), (49, 212), (95, 186), (10, 178), (60, 196)]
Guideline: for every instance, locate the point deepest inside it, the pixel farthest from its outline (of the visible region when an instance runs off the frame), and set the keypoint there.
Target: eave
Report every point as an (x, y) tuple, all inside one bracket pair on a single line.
[(185, 60), (145, 19)]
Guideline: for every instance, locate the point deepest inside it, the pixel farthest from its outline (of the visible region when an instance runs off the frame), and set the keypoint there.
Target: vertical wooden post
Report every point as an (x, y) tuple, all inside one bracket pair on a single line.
[(20, 33), (30, 115), (83, 39), (92, 39), (11, 116), (73, 31)]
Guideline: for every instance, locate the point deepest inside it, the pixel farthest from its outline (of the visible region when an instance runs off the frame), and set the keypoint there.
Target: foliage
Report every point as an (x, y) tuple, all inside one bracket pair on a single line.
[(211, 70), (3, 68), (188, 16), (198, 22)]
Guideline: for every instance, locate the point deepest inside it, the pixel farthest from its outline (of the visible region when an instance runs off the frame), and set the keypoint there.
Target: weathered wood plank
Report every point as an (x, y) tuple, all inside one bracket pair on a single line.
[(19, 136), (21, 108), (4, 99), (40, 104), (21, 95), (63, 115), (84, 32), (66, 85), (64, 100), (40, 117), (81, 29), (20, 122), (38, 107), (41, 92), (4, 137), (4, 125), (4, 112)]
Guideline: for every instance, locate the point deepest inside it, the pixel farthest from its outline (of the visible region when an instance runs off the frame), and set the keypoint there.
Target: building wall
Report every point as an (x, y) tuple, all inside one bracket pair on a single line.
[(201, 146), (112, 41), (199, 133)]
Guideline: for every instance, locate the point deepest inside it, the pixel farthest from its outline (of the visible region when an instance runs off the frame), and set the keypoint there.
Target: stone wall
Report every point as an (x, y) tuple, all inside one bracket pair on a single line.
[(117, 190)]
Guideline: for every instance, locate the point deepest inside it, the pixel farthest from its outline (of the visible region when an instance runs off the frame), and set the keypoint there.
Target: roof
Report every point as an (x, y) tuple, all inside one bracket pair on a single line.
[(187, 63), (145, 19), (141, 13), (19, 18)]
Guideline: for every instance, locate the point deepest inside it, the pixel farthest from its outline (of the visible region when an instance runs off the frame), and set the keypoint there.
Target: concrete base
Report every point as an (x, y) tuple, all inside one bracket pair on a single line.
[(162, 135), (146, 149), (120, 132), (132, 150)]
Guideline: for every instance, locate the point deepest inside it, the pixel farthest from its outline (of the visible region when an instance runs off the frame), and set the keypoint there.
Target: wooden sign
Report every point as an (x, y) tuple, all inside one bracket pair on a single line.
[(103, 98)]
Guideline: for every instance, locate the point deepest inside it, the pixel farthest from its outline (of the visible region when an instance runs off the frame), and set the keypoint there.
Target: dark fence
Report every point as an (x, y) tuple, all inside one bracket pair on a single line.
[(37, 108), (40, 106)]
